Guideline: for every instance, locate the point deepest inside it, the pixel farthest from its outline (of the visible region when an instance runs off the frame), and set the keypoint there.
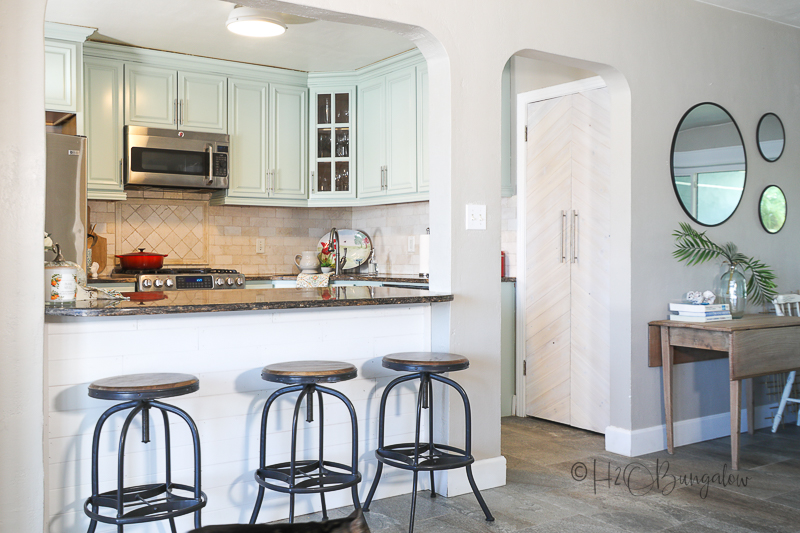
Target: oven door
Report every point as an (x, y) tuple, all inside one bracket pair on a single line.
[(169, 158)]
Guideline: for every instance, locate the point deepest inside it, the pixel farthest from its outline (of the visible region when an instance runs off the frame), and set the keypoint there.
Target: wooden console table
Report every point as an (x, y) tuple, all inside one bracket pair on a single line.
[(756, 345)]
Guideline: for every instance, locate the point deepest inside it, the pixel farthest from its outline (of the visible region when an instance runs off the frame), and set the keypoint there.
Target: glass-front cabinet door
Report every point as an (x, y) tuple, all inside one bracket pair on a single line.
[(332, 143)]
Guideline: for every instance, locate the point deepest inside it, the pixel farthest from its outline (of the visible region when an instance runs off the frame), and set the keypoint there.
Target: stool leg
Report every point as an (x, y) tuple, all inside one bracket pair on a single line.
[(413, 503), (121, 459), (96, 454), (354, 437), (262, 456), (430, 432), (308, 390), (321, 452), (468, 447), (168, 461)]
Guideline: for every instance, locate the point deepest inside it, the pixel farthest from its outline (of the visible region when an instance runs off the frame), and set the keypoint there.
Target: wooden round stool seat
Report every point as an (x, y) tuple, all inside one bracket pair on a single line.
[(434, 362), (301, 372), (143, 386)]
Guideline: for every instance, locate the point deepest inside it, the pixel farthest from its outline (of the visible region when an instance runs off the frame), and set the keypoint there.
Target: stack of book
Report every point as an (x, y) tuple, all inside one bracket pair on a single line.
[(689, 312)]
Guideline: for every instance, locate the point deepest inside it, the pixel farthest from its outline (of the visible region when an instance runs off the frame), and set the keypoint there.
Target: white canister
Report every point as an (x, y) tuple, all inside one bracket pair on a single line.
[(307, 262), (60, 284)]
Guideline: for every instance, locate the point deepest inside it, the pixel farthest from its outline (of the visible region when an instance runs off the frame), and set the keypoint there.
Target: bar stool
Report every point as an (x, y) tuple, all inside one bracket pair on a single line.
[(307, 476), (155, 501), (430, 456)]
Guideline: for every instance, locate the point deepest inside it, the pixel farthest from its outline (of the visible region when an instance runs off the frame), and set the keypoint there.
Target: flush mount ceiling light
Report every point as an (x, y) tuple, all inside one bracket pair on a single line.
[(253, 22)]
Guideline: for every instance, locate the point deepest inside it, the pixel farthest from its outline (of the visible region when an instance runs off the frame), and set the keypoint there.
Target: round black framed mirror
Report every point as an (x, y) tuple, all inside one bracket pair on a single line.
[(771, 137), (708, 164), (772, 209)]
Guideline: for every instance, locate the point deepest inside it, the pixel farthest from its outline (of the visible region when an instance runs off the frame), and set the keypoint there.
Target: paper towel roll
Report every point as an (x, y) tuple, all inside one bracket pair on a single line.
[(424, 255)]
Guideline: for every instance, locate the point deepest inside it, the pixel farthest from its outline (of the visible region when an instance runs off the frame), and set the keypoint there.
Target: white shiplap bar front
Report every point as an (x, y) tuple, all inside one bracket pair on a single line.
[(226, 351)]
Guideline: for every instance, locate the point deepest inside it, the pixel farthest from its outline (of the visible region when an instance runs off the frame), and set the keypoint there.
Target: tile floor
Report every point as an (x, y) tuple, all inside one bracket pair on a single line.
[(550, 488)]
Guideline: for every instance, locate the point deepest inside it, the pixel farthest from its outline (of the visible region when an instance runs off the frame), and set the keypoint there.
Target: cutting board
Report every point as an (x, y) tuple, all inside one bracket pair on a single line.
[(99, 252)]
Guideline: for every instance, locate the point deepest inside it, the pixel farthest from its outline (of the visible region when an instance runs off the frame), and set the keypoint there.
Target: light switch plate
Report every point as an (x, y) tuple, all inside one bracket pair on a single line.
[(476, 216), (412, 244), (261, 246)]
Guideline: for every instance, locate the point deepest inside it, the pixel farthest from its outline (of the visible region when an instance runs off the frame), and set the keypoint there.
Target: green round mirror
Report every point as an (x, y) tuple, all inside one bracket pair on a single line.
[(772, 209), (709, 164)]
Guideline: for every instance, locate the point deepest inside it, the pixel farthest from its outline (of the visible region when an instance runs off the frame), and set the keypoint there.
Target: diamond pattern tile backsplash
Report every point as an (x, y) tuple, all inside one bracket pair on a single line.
[(177, 228)]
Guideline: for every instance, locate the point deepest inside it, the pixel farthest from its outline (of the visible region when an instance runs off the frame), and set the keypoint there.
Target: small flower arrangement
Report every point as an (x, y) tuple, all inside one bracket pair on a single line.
[(326, 257)]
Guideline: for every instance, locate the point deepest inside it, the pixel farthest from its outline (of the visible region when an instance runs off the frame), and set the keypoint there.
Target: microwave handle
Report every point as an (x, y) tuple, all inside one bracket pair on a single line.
[(210, 150)]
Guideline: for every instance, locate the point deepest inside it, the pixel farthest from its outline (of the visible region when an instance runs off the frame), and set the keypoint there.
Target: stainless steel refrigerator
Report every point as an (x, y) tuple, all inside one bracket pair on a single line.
[(65, 195)]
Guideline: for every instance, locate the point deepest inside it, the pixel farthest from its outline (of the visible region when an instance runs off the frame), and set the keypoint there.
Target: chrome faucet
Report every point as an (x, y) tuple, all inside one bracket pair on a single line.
[(333, 243)]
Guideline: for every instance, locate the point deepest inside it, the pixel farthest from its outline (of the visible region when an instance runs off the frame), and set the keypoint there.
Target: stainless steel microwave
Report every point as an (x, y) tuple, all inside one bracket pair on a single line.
[(175, 159)]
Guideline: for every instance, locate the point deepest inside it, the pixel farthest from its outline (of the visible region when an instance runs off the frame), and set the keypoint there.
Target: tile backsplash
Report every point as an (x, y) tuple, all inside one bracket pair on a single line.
[(185, 226)]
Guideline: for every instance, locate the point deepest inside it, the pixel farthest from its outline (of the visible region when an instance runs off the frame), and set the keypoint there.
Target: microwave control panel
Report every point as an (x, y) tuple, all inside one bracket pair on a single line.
[(221, 164)]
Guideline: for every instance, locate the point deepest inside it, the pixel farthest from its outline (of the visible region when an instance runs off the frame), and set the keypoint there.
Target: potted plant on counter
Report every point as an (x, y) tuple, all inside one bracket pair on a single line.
[(695, 248)]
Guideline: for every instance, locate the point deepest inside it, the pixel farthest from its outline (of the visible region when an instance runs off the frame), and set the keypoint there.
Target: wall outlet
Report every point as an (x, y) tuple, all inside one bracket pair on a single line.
[(476, 216), (261, 246), (412, 242)]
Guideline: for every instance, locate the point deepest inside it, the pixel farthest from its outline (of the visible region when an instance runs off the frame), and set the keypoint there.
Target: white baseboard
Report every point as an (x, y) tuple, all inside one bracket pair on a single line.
[(488, 473), (632, 443)]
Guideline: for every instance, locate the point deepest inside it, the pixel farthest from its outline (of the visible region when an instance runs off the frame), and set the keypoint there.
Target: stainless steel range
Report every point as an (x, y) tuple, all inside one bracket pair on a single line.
[(177, 279)]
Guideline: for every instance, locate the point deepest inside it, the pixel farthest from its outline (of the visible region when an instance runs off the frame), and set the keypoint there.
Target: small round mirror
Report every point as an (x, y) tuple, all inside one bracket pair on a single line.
[(772, 209), (709, 164), (771, 137)]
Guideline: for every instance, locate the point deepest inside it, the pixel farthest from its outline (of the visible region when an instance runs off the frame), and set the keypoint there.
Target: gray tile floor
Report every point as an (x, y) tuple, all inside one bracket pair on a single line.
[(560, 479)]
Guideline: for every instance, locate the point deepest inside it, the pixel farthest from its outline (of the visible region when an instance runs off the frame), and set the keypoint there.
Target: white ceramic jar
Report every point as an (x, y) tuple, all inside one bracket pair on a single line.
[(60, 280), (307, 263)]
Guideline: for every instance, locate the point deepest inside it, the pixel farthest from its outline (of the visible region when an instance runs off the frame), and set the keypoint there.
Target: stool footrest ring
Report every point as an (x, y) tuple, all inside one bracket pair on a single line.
[(431, 456), (146, 503), (308, 478)]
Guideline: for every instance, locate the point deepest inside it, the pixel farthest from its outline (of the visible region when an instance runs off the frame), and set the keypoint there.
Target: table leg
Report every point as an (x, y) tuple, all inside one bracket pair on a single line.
[(666, 366), (751, 415), (736, 419)]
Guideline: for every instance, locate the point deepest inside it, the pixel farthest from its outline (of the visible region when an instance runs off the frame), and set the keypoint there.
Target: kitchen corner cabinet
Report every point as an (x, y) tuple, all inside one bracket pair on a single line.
[(332, 120), (267, 125), (165, 98), (103, 126), (387, 135), (61, 68)]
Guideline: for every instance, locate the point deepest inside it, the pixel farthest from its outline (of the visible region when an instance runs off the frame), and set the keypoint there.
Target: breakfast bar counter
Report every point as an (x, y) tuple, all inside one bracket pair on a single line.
[(209, 301)]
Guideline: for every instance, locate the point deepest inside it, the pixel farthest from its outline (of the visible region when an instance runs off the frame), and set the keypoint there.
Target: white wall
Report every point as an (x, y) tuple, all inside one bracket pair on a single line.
[(669, 55)]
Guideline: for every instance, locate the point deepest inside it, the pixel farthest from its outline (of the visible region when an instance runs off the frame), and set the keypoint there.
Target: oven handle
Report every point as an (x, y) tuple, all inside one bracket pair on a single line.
[(210, 150)]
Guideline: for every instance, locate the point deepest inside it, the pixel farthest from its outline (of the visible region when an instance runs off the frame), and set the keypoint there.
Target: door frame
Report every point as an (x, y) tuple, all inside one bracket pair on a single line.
[(523, 99)]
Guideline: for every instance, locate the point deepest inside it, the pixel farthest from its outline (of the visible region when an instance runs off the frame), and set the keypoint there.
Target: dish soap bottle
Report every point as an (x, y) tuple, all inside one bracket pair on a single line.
[(373, 265)]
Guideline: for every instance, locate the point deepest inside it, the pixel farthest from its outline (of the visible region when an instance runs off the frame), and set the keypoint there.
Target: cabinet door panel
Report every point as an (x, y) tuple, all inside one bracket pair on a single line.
[(103, 125), (287, 154), (371, 153), (422, 129), (248, 132), (202, 102), (150, 96), (401, 131), (60, 76)]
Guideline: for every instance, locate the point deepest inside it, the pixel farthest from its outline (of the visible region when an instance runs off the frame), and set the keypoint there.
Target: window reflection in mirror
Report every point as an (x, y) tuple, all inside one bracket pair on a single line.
[(708, 164), (772, 209)]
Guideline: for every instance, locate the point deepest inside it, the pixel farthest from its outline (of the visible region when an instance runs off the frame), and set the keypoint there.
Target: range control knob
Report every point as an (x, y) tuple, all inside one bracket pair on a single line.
[(239, 282), (158, 283), (169, 283), (219, 282), (229, 281), (146, 283)]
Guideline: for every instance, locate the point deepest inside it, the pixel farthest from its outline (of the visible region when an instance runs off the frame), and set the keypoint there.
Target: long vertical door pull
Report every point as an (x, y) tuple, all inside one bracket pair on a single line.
[(563, 237), (574, 258)]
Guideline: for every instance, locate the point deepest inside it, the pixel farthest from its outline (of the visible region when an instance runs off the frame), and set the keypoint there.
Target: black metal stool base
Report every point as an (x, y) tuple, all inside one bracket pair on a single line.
[(316, 476), (420, 456), (145, 503)]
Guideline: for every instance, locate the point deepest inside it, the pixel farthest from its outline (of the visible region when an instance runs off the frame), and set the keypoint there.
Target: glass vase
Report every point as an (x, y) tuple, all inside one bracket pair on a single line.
[(734, 291)]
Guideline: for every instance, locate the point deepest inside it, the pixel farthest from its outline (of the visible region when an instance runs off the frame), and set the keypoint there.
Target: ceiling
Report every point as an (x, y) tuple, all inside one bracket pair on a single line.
[(197, 27), (783, 11)]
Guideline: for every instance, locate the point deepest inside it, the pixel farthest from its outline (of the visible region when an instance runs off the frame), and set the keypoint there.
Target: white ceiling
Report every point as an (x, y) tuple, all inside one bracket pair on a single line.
[(198, 27), (783, 11)]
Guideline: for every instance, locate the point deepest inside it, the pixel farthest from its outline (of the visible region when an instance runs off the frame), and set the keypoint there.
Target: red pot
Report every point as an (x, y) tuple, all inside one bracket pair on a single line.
[(141, 260)]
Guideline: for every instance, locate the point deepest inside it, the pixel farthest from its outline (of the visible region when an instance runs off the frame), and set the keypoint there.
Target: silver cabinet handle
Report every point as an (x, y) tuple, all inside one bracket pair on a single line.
[(210, 150), (175, 111), (121, 172), (563, 237), (313, 182), (574, 258), (272, 181), (180, 111)]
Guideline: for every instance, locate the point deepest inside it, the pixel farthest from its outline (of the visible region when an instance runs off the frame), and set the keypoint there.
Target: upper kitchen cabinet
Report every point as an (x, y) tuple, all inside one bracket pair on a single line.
[(423, 181), (165, 98), (268, 129), (387, 122), (333, 176), (62, 66), (103, 126)]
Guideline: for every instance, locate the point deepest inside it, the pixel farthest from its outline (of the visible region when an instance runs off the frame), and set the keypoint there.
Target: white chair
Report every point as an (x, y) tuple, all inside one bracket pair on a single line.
[(786, 305)]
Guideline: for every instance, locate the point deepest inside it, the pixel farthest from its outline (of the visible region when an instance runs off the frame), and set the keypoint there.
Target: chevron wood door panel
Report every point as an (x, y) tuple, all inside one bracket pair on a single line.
[(567, 265), (547, 331)]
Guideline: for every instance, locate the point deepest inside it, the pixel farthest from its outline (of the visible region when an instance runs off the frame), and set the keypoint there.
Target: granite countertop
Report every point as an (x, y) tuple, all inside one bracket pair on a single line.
[(211, 301), (396, 278)]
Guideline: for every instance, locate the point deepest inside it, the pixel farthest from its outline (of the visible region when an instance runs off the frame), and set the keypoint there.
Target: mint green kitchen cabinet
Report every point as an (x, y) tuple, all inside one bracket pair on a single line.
[(387, 139), (423, 180), (164, 98), (268, 129), (102, 93), (61, 73), (333, 175)]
